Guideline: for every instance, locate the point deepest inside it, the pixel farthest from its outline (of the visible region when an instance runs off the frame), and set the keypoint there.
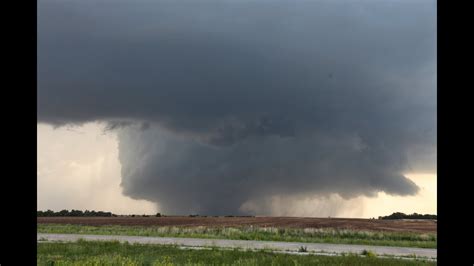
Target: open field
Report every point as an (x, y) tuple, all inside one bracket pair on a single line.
[(115, 253), (292, 247), (287, 234), (419, 226)]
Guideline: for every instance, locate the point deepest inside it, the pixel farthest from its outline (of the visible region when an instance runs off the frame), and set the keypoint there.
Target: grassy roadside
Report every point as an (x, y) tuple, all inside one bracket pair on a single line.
[(115, 253), (404, 239)]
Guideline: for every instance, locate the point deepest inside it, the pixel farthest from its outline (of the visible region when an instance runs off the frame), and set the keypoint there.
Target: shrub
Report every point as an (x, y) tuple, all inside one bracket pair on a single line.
[(302, 249), (368, 253)]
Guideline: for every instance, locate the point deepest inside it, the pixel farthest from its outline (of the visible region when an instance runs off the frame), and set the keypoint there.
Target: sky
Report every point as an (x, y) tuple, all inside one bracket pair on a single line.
[(78, 168), (296, 108)]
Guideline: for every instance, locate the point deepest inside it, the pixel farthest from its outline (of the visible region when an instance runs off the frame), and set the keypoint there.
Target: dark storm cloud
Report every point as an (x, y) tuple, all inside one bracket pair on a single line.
[(244, 100)]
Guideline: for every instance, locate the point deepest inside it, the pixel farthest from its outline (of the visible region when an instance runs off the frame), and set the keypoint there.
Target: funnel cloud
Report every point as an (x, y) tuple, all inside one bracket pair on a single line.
[(221, 103)]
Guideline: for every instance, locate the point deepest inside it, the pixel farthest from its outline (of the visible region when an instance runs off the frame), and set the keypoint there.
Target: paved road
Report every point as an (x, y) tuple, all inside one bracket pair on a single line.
[(248, 244)]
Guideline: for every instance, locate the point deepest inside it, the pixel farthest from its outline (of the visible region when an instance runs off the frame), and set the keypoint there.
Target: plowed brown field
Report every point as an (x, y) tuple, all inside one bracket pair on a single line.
[(427, 226)]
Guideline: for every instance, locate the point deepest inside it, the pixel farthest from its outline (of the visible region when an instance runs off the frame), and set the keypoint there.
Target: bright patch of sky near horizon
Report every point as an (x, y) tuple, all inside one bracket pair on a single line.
[(78, 168)]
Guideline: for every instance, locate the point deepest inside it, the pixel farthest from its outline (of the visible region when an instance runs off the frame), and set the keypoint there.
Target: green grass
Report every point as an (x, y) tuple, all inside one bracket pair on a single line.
[(115, 253), (403, 239)]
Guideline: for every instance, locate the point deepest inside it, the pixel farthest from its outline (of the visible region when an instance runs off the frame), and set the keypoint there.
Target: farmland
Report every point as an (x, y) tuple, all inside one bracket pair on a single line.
[(415, 226), (310, 230)]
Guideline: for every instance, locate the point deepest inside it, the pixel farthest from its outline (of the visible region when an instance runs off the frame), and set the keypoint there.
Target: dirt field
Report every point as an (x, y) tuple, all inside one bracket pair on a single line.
[(293, 222)]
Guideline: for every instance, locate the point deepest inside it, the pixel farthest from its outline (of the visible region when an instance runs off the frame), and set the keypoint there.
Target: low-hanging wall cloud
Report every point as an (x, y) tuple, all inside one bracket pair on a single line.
[(216, 103)]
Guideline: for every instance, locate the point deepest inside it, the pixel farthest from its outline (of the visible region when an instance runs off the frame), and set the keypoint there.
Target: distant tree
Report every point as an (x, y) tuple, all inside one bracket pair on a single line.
[(73, 213), (63, 213), (76, 213), (400, 215), (158, 215)]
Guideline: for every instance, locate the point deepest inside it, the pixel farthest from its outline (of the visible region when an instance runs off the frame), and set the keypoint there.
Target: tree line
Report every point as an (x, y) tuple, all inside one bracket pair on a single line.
[(74, 213), (401, 215)]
